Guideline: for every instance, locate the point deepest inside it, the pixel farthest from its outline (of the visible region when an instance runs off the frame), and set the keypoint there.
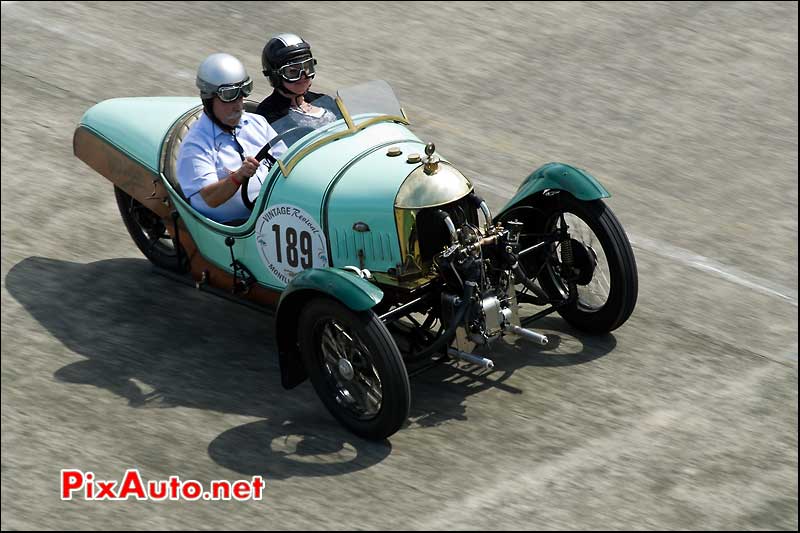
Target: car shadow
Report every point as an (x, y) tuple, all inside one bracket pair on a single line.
[(158, 343), (434, 403)]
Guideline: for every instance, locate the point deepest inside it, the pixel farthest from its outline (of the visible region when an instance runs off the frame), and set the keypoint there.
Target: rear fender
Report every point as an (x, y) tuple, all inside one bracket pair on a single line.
[(354, 292)]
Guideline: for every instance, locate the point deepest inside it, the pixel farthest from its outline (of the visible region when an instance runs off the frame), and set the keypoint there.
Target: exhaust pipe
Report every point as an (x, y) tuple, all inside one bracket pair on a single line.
[(470, 358), (450, 226), (528, 334)]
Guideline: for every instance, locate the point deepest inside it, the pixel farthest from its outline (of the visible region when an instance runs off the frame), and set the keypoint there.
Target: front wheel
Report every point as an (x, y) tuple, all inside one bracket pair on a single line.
[(603, 280), (355, 367)]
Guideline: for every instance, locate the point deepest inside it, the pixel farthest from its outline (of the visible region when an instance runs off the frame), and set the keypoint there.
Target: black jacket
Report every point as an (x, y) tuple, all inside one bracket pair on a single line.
[(276, 106)]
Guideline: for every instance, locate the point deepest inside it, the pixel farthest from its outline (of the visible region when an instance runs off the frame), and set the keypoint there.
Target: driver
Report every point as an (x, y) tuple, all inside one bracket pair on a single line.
[(288, 64), (216, 157)]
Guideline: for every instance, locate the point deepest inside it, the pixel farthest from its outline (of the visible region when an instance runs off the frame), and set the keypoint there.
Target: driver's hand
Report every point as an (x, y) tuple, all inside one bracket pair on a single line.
[(249, 167)]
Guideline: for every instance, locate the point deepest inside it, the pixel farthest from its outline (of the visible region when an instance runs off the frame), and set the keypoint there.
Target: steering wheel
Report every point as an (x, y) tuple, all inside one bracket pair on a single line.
[(264, 153)]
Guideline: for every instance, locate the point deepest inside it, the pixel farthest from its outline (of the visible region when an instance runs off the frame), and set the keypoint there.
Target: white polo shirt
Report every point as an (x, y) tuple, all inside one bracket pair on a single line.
[(209, 153)]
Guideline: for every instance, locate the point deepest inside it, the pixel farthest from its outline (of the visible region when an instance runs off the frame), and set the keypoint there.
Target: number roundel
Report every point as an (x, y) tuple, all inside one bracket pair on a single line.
[(290, 241)]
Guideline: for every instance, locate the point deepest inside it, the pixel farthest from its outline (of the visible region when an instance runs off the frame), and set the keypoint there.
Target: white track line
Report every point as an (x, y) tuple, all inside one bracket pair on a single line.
[(683, 256), (709, 265)]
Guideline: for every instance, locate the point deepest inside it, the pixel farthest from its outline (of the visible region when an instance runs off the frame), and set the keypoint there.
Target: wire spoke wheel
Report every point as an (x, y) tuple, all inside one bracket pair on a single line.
[(355, 367), (350, 371)]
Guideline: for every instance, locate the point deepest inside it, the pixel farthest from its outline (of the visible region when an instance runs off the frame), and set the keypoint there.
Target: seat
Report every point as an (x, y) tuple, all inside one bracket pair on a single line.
[(172, 145), (174, 138)]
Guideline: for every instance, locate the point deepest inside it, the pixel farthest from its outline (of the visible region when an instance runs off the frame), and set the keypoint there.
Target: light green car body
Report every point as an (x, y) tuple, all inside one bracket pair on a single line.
[(331, 189)]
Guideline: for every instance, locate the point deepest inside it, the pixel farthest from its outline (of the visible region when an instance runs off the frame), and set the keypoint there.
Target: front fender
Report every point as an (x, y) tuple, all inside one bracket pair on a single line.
[(561, 176), (356, 293)]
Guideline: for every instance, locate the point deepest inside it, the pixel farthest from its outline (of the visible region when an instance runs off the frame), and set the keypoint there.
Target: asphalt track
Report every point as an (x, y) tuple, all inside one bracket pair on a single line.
[(684, 418)]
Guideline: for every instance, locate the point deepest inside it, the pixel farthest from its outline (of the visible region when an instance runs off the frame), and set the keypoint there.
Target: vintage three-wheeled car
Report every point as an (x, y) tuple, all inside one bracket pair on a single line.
[(374, 252)]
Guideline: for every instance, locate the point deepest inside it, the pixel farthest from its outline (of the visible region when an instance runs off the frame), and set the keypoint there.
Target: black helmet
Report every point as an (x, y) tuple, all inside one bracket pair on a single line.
[(282, 50)]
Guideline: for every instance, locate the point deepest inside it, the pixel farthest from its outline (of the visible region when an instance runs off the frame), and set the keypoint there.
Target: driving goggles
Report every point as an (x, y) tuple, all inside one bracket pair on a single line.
[(229, 93), (294, 71)]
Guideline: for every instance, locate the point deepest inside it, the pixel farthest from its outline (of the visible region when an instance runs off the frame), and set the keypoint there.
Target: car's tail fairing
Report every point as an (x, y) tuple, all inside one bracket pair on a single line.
[(123, 139)]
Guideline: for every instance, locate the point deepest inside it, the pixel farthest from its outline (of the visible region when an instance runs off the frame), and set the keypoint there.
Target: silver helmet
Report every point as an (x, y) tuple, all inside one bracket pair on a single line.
[(219, 70)]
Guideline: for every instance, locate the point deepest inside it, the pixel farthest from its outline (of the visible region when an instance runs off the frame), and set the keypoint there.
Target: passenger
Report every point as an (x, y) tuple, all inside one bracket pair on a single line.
[(288, 64), (216, 157)]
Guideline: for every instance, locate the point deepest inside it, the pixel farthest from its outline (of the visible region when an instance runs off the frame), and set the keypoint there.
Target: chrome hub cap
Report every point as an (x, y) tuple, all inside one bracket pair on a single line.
[(346, 369)]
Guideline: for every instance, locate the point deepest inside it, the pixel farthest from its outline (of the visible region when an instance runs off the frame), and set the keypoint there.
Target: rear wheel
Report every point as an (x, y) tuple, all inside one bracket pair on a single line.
[(604, 268), (149, 233), (355, 367)]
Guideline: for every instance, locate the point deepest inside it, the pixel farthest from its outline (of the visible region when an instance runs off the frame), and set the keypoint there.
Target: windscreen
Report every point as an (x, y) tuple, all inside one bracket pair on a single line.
[(373, 97)]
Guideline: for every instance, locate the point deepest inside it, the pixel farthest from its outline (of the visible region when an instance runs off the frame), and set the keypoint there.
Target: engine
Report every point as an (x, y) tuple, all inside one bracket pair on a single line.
[(470, 263), (479, 268)]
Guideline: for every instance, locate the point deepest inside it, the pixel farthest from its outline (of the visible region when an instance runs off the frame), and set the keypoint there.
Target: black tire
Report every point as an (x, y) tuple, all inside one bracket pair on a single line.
[(589, 312), (149, 233), (371, 368)]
